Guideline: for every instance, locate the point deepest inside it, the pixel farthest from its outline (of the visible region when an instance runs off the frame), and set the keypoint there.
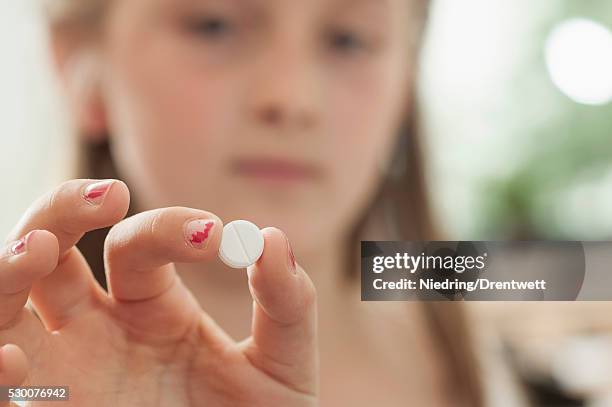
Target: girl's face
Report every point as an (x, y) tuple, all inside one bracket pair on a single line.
[(279, 112)]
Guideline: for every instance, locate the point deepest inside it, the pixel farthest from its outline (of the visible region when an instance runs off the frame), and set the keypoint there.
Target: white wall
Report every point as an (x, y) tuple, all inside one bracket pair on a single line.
[(33, 132)]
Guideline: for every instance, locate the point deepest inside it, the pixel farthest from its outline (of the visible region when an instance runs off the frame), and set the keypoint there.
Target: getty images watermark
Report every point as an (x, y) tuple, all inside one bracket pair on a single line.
[(468, 270)]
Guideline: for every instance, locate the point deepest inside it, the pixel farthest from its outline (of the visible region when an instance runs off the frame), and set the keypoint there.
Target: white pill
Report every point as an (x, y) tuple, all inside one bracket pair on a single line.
[(242, 244)]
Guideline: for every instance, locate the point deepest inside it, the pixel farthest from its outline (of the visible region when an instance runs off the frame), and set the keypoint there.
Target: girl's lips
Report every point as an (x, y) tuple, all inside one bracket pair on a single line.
[(274, 169)]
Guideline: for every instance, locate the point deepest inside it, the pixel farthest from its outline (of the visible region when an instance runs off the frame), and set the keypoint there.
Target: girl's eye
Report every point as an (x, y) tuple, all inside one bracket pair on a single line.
[(210, 27), (346, 41)]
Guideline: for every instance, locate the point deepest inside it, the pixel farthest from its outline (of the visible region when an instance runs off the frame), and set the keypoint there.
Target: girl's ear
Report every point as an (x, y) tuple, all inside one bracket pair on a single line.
[(79, 70)]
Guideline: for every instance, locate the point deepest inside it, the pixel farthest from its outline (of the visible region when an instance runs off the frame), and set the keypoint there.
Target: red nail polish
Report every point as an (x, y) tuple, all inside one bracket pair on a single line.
[(95, 193), (20, 246), (291, 257), (197, 232)]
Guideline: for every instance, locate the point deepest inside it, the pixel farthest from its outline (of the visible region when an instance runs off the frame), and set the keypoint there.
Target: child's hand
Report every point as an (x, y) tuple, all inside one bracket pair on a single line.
[(147, 342)]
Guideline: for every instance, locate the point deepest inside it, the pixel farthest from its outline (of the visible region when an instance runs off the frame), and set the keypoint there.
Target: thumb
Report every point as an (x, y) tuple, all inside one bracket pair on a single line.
[(284, 339)]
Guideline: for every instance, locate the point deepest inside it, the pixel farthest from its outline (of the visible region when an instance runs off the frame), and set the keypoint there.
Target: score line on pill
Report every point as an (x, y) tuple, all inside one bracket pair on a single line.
[(242, 244)]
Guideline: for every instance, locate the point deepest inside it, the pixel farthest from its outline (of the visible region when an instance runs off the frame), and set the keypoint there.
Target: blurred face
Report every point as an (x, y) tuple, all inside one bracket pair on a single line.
[(279, 112)]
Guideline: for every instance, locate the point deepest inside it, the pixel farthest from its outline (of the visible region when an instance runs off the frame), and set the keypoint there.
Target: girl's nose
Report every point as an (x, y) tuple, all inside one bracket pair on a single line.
[(285, 91)]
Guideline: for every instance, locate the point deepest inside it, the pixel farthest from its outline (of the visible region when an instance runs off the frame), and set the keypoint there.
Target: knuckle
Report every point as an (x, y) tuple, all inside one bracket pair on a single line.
[(61, 193), (146, 228), (157, 224), (161, 229), (58, 205)]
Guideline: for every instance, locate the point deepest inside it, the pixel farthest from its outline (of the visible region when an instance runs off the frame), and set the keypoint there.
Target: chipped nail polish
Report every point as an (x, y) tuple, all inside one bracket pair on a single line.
[(197, 232), (20, 246), (95, 192)]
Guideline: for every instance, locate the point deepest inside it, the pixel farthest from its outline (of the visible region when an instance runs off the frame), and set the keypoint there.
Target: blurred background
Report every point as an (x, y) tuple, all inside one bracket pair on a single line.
[(518, 118), (517, 115)]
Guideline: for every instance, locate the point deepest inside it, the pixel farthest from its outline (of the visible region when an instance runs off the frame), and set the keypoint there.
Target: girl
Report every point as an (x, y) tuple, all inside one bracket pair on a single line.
[(298, 116)]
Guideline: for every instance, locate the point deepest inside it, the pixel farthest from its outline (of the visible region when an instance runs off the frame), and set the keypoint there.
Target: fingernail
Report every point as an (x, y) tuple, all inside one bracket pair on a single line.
[(290, 257), (21, 245), (197, 232), (94, 193)]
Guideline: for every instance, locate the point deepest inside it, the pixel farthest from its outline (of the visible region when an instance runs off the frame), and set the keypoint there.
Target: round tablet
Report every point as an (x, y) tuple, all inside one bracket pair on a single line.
[(242, 244)]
